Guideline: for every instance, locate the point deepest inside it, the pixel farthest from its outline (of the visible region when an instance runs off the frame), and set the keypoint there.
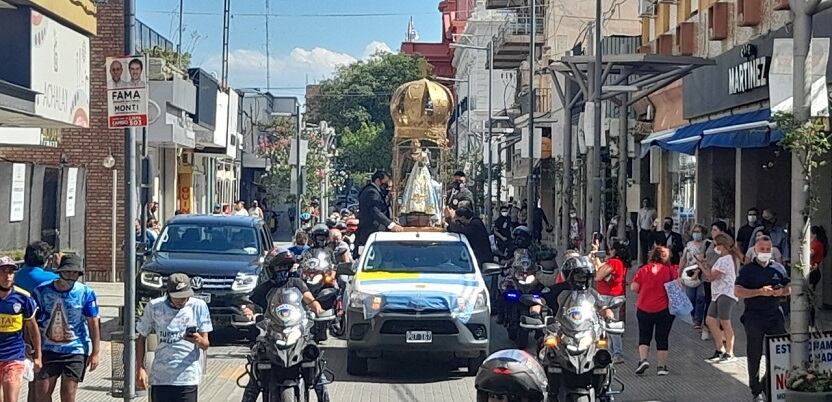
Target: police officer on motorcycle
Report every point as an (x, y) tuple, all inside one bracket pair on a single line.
[(511, 376), (280, 266), (579, 274)]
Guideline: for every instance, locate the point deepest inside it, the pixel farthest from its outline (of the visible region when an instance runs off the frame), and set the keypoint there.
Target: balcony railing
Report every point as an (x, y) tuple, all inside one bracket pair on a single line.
[(523, 26), (147, 38)]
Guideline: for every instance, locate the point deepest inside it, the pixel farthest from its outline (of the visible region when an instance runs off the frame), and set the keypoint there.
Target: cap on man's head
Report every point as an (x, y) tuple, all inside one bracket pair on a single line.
[(179, 286), (71, 263), (464, 212), (6, 261), (459, 173)]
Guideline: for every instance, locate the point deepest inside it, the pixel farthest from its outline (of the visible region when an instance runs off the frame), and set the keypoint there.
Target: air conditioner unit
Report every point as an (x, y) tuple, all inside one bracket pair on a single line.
[(187, 158), (647, 8)]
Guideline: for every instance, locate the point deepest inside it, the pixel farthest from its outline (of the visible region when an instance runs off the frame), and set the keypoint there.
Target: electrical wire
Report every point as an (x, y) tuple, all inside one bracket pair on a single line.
[(304, 15)]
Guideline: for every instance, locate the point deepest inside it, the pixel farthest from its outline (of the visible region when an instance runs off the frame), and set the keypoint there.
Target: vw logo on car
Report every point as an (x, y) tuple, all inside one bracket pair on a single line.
[(197, 282)]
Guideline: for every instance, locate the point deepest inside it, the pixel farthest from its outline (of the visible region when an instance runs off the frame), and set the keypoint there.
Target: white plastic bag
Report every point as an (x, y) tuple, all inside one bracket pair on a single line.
[(28, 370)]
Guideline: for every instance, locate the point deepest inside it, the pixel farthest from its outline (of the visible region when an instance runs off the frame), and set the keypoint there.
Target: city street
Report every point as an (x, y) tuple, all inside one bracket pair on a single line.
[(413, 379)]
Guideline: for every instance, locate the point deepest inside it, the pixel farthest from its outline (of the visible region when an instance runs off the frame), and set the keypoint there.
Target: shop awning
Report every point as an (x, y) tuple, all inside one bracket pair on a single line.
[(744, 130)]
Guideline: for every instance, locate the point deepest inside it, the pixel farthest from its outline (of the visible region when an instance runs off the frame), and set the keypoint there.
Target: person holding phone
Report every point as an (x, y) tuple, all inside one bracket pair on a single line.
[(691, 257), (182, 323)]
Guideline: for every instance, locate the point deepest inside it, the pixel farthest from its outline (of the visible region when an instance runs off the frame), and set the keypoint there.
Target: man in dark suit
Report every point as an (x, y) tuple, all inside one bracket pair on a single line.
[(470, 225), (373, 209), (459, 196), (670, 239)]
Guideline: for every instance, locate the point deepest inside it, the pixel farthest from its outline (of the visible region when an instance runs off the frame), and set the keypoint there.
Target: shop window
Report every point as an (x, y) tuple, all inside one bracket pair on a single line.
[(683, 176)]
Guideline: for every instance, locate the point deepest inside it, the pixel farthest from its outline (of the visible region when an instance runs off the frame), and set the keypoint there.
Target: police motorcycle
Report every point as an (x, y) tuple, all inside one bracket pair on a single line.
[(520, 278), (512, 376), (285, 361), (318, 270), (574, 349)]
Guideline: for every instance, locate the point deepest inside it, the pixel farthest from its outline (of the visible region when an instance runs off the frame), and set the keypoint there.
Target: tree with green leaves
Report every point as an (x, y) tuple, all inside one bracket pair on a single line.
[(356, 102)]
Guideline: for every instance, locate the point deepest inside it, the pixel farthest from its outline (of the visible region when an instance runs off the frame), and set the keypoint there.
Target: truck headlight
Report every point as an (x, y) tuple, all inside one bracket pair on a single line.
[(151, 279), (357, 300), (244, 283)]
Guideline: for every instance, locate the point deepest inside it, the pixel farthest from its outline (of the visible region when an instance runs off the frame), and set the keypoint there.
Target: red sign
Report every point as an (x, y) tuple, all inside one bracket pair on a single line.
[(137, 120)]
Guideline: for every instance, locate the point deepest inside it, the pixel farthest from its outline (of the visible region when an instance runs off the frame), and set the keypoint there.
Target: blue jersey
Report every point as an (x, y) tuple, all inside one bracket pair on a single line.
[(63, 318), (17, 307), (29, 278)]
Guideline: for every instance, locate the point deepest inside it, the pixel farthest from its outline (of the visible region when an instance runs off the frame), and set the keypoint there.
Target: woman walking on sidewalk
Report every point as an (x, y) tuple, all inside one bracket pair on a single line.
[(723, 275), (652, 308), (694, 250)]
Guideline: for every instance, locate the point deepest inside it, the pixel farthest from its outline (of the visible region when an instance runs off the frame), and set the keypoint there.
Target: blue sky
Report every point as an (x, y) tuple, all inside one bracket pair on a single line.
[(304, 44)]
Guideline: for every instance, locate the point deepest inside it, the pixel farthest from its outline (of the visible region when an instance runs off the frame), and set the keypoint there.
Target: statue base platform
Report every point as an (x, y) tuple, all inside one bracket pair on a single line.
[(412, 229), (416, 220)]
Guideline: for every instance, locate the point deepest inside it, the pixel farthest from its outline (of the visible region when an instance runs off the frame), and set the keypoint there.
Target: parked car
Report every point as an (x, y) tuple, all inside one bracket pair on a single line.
[(223, 255), (417, 292)]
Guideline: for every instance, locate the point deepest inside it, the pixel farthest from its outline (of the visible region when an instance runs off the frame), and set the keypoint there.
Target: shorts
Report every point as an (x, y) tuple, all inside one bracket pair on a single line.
[(721, 308), (69, 366), (12, 372), (179, 393)]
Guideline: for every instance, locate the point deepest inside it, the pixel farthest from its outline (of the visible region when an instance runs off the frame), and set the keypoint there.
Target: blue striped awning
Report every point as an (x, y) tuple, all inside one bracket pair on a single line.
[(744, 130)]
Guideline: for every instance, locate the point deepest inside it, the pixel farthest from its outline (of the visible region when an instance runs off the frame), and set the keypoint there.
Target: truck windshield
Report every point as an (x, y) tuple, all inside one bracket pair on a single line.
[(419, 256), (191, 238)]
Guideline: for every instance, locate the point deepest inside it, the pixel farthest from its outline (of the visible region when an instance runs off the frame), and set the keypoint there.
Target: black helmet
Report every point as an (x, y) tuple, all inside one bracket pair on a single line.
[(512, 373), (281, 260), (319, 235), (330, 223), (522, 237), (345, 212), (578, 272), (342, 226)]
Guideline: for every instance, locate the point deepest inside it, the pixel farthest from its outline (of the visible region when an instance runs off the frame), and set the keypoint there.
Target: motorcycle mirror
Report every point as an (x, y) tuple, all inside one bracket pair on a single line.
[(326, 294), (346, 268), (490, 268), (549, 320), (617, 302)]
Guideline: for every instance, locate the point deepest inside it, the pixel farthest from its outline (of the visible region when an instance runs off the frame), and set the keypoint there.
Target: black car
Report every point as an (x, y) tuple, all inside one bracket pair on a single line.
[(223, 255)]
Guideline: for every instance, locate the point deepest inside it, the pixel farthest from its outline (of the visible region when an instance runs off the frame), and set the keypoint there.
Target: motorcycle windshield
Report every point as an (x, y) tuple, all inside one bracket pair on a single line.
[(286, 307), (577, 313)]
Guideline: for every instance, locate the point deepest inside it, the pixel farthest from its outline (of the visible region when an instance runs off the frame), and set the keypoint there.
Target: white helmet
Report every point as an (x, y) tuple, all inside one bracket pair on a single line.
[(692, 276)]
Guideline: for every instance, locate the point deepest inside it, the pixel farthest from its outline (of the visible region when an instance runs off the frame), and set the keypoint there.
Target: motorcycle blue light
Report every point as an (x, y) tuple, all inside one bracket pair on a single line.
[(512, 295)]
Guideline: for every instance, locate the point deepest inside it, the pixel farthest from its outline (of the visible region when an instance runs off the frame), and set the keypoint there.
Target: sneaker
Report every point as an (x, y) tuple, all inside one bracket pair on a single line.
[(697, 327), (642, 367), (717, 356), (726, 358), (618, 360), (662, 370), (705, 334)]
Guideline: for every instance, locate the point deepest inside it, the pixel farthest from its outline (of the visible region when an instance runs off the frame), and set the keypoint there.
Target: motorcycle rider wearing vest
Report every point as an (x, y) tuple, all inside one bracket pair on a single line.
[(280, 265)]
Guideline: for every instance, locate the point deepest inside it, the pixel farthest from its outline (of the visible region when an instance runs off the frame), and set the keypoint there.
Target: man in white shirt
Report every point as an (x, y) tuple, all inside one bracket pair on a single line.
[(646, 216), (240, 208), (256, 210)]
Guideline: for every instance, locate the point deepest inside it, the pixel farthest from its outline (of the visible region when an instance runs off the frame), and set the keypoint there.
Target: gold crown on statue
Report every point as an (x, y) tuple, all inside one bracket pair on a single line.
[(422, 109)]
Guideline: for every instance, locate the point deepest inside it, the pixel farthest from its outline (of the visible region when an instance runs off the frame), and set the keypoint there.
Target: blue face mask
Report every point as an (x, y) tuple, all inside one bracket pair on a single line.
[(280, 277)]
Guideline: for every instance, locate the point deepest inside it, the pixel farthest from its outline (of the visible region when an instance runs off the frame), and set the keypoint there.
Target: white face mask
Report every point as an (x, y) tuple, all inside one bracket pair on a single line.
[(752, 219), (764, 258), (504, 213)]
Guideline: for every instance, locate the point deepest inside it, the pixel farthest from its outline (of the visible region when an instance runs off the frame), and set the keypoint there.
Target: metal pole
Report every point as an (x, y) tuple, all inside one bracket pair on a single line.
[(456, 125), (114, 228), (179, 42), (129, 231), (489, 210), (623, 160), (143, 194), (799, 307), (530, 193), (297, 162), (594, 215), (468, 111), (566, 223), (268, 61)]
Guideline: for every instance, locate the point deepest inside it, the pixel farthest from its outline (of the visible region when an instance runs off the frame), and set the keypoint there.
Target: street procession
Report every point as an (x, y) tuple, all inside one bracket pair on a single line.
[(415, 200)]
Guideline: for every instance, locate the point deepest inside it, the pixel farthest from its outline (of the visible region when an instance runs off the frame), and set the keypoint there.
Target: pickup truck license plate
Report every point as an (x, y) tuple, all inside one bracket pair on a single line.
[(419, 337), (206, 297)]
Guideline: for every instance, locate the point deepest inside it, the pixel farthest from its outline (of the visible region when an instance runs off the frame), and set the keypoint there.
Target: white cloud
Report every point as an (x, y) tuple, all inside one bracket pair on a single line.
[(247, 67), (375, 47)]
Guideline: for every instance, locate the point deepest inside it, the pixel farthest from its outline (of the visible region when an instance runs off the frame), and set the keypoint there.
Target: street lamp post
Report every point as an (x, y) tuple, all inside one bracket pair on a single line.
[(489, 48)]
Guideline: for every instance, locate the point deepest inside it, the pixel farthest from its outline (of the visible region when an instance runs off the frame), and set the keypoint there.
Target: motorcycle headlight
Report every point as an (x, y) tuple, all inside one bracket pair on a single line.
[(244, 283), (151, 279)]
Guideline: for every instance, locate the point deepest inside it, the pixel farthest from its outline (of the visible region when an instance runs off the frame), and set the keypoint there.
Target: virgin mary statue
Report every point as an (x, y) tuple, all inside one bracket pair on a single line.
[(419, 195)]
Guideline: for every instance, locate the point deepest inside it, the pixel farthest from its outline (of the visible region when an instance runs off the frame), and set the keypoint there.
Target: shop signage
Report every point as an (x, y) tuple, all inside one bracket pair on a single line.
[(779, 350), (17, 203), (127, 91), (750, 74), (60, 71)]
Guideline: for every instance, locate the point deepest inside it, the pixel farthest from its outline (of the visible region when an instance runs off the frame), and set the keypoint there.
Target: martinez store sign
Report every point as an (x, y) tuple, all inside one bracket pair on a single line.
[(750, 74)]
